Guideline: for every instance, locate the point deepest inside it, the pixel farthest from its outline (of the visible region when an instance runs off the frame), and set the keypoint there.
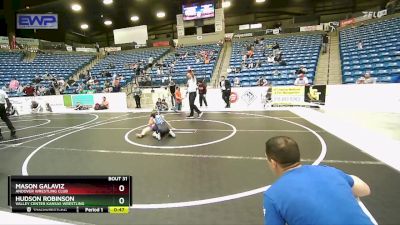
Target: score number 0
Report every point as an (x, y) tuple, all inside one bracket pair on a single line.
[(121, 200)]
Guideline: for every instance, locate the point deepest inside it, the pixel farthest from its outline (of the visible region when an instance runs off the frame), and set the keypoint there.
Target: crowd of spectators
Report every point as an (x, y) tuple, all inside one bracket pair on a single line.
[(46, 84)]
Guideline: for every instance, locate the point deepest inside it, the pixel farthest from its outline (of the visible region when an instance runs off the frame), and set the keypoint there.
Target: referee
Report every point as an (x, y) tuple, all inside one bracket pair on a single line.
[(3, 113)]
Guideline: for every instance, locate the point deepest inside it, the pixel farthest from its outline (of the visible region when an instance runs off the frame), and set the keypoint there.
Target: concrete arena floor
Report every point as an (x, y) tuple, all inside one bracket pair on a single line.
[(183, 174)]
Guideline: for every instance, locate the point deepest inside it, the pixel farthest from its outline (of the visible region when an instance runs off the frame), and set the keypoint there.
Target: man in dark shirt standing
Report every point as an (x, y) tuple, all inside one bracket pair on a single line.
[(202, 86), (226, 91)]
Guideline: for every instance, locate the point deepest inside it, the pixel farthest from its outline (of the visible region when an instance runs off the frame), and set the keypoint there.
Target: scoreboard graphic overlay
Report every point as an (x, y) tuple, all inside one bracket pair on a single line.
[(72, 194)]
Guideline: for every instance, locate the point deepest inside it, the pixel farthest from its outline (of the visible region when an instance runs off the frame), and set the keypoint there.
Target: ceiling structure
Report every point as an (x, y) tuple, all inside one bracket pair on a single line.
[(94, 12)]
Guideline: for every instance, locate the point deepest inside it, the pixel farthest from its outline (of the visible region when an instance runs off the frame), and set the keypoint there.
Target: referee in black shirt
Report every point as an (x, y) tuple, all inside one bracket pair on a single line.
[(3, 113)]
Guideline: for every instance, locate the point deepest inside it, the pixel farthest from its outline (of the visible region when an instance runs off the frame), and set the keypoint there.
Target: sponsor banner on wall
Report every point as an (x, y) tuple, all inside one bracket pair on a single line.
[(37, 21), (243, 35), (287, 95), (112, 49), (347, 22), (312, 28), (160, 43), (65, 103), (272, 31), (22, 41), (86, 50), (315, 94)]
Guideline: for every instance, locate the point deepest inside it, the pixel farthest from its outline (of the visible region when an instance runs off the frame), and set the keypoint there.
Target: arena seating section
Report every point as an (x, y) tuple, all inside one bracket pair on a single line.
[(380, 54), (297, 50), (201, 70), (57, 64), (119, 60)]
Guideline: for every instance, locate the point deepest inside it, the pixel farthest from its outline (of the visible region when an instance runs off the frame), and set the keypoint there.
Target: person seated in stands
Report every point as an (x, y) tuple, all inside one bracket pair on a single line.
[(250, 64), (184, 56), (107, 86), (90, 81), (243, 65), (20, 90), (236, 82), (117, 87), (103, 105), (261, 82), (271, 58), (244, 57), (360, 80), (37, 79), (275, 48), (302, 70), (278, 58), (29, 90), (41, 90), (111, 66), (301, 80), (90, 90), (360, 45), (369, 79), (366, 79), (258, 64), (276, 73), (108, 74), (206, 60), (238, 69), (14, 84), (250, 53), (47, 76)]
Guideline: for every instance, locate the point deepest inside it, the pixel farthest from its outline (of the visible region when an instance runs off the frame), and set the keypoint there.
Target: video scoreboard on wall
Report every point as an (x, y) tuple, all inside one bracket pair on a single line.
[(70, 194)]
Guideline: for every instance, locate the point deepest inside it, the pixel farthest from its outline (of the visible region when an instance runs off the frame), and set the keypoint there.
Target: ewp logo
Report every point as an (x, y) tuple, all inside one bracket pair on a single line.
[(37, 21)]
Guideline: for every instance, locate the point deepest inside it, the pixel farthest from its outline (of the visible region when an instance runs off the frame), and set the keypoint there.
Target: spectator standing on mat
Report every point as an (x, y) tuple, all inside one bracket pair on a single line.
[(308, 194), (178, 99), (226, 91), (202, 86), (191, 90), (137, 93), (172, 88), (3, 113)]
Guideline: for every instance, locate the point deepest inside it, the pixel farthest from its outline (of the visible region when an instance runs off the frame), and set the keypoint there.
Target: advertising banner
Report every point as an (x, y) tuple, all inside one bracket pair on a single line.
[(37, 21)]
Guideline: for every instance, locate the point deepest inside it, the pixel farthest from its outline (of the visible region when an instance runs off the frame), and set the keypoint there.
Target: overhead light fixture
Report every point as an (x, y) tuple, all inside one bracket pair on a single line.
[(161, 14), (107, 2), (108, 22), (259, 1), (84, 26), (76, 7), (226, 4), (134, 18)]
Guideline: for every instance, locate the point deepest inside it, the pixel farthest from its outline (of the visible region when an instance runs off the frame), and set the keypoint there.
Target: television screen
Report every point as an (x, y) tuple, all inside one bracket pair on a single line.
[(198, 11)]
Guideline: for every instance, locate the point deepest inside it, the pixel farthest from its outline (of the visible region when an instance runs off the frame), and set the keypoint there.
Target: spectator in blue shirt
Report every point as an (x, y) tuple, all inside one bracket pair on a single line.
[(310, 194)]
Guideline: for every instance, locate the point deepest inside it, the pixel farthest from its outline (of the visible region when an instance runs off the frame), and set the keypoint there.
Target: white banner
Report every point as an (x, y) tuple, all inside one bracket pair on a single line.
[(86, 50), (312, 28), (112, 49), (58, 103)]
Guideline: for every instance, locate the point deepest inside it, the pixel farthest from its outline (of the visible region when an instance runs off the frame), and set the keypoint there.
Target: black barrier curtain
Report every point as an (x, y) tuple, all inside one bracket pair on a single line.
[(46, 45)]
